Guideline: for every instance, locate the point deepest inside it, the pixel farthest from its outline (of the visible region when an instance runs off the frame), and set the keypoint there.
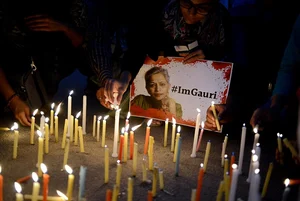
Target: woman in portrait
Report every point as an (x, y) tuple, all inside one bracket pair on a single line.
[(157, 82)]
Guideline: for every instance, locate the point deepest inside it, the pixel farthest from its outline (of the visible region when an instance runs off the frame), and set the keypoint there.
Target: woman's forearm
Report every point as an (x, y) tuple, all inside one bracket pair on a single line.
[(75, 37), (5, 89)]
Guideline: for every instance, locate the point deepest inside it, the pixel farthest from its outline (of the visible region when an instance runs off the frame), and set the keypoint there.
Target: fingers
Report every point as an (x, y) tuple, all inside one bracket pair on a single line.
[(194, 56), (21, 117), (254, 118)]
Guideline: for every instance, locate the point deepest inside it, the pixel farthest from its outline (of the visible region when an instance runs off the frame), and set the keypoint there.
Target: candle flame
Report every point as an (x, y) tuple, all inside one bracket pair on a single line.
[(127, 127), (253, 151), (52, 105), (34, 176), (105, 146), (254, 158), (281, 135), (0, 169), (122, 130), (60, 194), (128, 115), (167, 120), (244, 124), (46, 119), (256, 171), (178, 129), (234, 166), (34, 112), (286, 182), (105, 117), (149, 122), (173, 120), (44, 168), (18, 187), (135, 127), (71, 92), (255, 129), (118, 161), (225, 156), (14, 127), (212, 103), (202, 124), (39, 133), (42, 113), (99, 118), (201, 165), (257, 144), (198, 110), (68, 169), (57, 109), (78, 114)]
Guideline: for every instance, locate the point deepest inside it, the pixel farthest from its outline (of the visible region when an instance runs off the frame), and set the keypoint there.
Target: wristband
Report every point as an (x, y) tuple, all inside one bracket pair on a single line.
[(11, 98)]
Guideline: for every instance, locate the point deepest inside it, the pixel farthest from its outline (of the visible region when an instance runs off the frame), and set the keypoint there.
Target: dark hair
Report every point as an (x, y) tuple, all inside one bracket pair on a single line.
[(156, 70)]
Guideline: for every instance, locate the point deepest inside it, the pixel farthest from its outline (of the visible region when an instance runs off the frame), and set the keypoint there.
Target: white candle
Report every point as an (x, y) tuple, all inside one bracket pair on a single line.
[(40, 152), (116, 133), (257, 150), (127, 119), (42, 123), (173, 134), (56, 122), (61, 195), (242, 148), (98, 128), (256, 137), (52, 118), (286, 191), (234, 181), (200, 137), (32, 126), (104, 130), (94, 125), (254, 186), (166, 132), (46, 135), (16, 140), (82, 176), (19, 195), (253, 165), (224, 149), (196, 133), (69, 112), (84, 105), (36, 187), (76, 128)]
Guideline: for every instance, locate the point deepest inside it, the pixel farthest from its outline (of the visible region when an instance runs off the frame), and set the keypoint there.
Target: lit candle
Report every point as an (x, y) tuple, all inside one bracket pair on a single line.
[(154, 181), (71, 128), (98, 129), (176, 144), (178, 156), (196, 133), (207, 152), (215, 115), (84, 105), (173, 134), (40, 152), (254, 186), (116, 133), (130, 189), (199, 182), (147, 136), (1, 185), (121, 146), (103, 130), (76, 128), (254, 165), (131, 141), (82, 176), (144, 169), (166, 132), (70, 182), (52, 118), (200, 137), (233, 186), (63, 144), (127, 119), (242, 148), (66, 152), (267, 180), (125, 155), (226, 164), (286, 191), (224, 145), (258, 150), (150, 153), (256, 137), (61, 195), (106, 164), (46, 178), (56, 122), (81, 144), (32, 126), (19, 195), (94, 125), (35, 187), (69, 112), (119, 173), (16, 140), (161, 179), (46, 135), (290, 147), (42, 122), (134, 162)]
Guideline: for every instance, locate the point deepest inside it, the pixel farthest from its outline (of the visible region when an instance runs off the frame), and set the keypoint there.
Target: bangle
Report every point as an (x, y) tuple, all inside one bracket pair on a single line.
[(11, 98)]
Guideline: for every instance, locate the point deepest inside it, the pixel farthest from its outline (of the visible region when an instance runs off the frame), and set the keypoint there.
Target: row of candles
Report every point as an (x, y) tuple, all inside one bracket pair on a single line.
[(149, 140)]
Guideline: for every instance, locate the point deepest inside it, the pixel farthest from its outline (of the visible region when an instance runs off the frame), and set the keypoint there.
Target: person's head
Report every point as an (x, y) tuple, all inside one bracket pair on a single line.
[(157, 83), (194, 11)]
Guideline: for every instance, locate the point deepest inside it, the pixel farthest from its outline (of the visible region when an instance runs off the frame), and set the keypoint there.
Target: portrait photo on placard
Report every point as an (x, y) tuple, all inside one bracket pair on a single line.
[(167, 88)]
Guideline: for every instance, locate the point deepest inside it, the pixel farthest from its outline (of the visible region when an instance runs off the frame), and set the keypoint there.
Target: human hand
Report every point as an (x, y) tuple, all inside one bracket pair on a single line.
[(43, 23), (224, 116), (21, 111), (193, 56)]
